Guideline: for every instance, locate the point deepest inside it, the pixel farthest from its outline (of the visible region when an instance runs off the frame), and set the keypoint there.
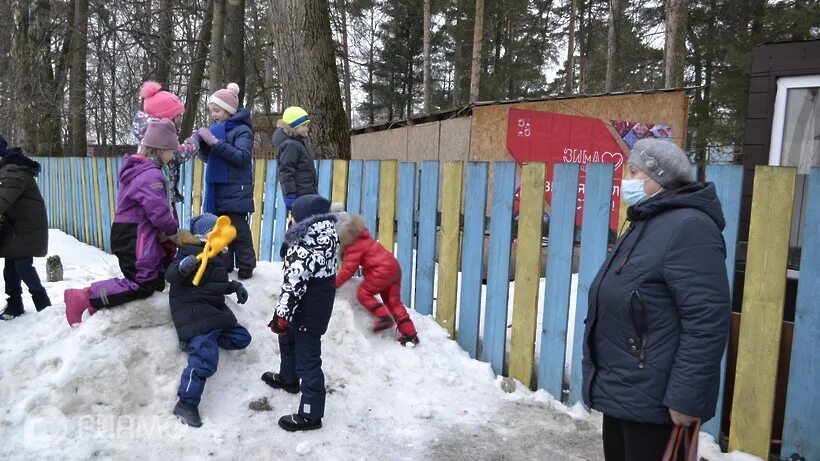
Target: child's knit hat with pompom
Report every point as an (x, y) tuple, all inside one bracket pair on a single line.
[(226, 98), (160, 104)]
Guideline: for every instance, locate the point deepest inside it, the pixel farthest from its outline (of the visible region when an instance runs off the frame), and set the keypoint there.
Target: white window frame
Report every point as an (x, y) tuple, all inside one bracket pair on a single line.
[(784, 84)]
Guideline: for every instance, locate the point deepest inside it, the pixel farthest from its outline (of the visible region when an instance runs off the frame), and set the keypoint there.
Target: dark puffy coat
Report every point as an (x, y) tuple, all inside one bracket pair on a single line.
[(297, 172), (236, 195), (659, 312), (200, 309), (379, 266), (24, 227)]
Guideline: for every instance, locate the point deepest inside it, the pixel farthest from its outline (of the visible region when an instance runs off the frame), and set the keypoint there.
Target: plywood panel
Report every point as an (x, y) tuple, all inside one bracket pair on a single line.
[(423, 142), (380, 145), (454, 140)]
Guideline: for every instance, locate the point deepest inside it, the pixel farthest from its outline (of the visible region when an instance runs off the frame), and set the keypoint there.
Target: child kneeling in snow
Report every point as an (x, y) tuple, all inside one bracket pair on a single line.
[(304, 309), (144, 216), (382, 276), (203, 322)]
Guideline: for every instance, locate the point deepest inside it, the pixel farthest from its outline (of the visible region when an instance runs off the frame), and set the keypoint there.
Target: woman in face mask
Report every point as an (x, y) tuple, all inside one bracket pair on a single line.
[(659, 308)]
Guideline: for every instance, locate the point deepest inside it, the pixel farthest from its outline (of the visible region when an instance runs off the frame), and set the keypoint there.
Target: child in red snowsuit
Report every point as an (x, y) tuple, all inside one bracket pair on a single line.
[(382, 276)]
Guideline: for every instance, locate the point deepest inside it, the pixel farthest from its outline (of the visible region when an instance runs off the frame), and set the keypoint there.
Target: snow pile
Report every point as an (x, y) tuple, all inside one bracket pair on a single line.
[(105, 390)]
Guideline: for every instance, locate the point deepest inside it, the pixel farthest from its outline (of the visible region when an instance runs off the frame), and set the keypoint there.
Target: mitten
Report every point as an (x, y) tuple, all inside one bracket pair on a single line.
[(289, 199), (207, 136), (241, 294), (278, 325), (187, 265)]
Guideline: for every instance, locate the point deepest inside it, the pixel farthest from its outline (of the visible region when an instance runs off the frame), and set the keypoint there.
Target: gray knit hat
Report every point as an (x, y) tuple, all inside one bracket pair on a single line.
[(662, 161)]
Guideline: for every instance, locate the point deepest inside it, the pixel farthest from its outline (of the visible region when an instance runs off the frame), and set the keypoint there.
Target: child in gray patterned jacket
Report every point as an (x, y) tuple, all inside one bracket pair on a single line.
[(304, 309)]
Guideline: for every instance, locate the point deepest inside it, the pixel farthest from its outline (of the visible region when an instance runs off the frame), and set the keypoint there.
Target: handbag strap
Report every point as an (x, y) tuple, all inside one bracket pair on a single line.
[(672, 446), (692, 446)]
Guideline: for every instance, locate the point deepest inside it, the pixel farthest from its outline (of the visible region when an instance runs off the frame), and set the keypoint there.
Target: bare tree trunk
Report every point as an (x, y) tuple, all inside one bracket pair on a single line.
[(478, 39), (346, 80), (583, 45), (165, 41), (77, 94), (217, 46), (235, 44), (371, 111), (613, 50), (197, 73), (457, 69), (675, 48), (569, 68), (428, 82), (308, 72)]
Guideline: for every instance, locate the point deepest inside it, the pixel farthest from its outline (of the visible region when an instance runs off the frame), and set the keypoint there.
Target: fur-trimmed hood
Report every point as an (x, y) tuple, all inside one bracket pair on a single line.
[(301, 229), (349, 227)]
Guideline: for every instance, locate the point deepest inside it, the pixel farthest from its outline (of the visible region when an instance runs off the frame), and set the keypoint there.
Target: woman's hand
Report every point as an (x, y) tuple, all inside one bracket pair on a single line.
[(680, 419)]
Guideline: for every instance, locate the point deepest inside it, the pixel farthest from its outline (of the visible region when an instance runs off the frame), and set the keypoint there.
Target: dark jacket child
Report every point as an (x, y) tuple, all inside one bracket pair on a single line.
[(23, 230), (203, 322), (297, 173), (144, 218), (304, 309), (226, 146), (382, 276)]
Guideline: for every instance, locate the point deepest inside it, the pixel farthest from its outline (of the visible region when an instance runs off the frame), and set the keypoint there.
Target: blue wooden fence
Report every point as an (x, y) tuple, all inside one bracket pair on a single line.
[(81, 197)]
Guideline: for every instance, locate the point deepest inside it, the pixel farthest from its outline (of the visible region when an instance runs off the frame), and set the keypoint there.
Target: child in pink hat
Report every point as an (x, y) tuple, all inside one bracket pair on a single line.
[(226, 147), (144, 215)]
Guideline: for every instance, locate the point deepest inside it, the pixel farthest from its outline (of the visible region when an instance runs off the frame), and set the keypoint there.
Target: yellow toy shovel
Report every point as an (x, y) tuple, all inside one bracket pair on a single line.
[(219, 238)]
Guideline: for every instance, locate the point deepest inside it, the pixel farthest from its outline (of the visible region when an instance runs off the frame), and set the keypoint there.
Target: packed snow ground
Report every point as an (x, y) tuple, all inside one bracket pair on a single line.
[(105, 389)]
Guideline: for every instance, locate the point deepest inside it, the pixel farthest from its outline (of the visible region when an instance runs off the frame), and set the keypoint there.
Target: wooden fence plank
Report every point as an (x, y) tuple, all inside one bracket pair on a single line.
[(594, 236), (80, 199), (494, 346), (728, 180), (269, 211), (196, 193), (339, 194), (387, 204), (452, 174), (762, 315), (406, 226), (325, 178), (370, 196), (258, 189), (527, 272), (65, 195), (800, 432), (354, 186), (472, 256), (426, 253), (112, 173), (105, 214), (280, 225), (97, 203), (559, 278), (187, 192)]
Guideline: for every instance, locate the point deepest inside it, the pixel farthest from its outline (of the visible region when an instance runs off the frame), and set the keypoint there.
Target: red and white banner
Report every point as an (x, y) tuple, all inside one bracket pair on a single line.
[(535, 136)]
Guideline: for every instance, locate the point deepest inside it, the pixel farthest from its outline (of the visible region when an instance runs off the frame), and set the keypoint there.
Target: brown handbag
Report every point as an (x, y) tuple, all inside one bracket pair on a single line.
[(683, 438)]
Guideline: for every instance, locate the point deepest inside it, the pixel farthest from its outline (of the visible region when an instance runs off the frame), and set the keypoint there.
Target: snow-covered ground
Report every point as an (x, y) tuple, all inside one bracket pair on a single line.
[(105, 389)]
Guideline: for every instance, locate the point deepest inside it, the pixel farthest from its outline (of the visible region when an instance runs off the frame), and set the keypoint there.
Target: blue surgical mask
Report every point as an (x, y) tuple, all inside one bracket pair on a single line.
[(632, 191)]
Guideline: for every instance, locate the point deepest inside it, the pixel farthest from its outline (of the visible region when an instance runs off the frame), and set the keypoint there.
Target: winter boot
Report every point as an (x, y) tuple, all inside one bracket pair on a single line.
[(41, 300), (245, 274), (383, 323), (409, 341), (14, 309), (188, 414), (273, 380), (295, 422), (76, 302)]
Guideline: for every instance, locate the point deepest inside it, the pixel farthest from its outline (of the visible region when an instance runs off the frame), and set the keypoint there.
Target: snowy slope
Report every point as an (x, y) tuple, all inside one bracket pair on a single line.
[(105, 389)]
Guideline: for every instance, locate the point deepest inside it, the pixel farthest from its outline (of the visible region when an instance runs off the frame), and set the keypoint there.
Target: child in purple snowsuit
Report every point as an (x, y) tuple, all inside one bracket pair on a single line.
[(144, 212)]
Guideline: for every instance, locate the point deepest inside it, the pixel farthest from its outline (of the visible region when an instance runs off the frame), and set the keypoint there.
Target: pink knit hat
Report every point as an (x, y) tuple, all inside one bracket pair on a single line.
[(226, 98), (158, 103), (161, 134)]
